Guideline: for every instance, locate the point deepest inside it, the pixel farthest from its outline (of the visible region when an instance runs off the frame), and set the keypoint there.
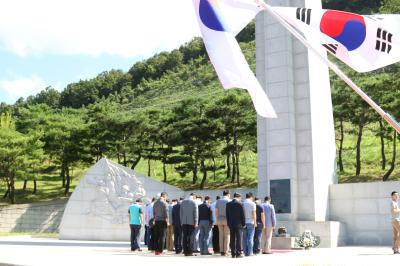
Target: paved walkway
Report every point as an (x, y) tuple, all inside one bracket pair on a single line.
[(24, 250)]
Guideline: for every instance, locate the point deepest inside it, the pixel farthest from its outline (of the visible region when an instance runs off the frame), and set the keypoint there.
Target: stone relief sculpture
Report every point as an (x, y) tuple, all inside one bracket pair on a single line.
[(98, 207), (115, 191)]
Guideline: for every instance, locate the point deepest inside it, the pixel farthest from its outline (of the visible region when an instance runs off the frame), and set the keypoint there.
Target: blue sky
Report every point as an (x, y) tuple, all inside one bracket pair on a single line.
[(53, 43)]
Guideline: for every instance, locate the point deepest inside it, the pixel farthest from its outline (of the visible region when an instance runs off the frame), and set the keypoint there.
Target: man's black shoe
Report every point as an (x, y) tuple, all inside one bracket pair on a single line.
[(239, 256)]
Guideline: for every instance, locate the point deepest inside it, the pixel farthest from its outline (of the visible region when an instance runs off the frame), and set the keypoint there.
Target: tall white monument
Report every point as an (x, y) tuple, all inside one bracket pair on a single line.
[(296, 152)]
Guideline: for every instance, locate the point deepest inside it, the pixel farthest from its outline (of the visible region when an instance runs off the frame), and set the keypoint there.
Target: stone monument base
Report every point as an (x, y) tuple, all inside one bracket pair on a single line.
[(284, 243), (332, 234)]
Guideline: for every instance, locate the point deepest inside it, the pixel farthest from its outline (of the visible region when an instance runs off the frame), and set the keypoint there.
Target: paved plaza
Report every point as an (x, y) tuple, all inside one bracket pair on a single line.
[(24, 250)]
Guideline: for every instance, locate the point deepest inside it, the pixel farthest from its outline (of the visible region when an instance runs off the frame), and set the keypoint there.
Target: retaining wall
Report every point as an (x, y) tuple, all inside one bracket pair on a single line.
[(364, 208), (37, 217)]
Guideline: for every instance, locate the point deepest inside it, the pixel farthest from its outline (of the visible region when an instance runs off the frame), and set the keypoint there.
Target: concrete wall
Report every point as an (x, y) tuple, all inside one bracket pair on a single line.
[(365, 211), (38, 217)]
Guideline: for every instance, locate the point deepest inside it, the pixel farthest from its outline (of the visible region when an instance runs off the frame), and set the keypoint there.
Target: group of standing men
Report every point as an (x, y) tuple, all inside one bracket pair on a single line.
[(186, 225)]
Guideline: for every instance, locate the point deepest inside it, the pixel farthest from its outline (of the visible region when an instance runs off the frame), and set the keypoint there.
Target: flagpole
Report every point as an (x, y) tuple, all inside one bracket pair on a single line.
[(332, 66)]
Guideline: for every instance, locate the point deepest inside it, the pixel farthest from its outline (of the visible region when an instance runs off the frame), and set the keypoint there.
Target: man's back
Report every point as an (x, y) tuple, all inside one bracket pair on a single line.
[(221, 207), (149, 213), (249, 208), (259, 213), (170, 207), (235, 214), (214, 211), (160, 210), (270, 216), (205, 212), (135, 211), (176, 216), (189, 212)]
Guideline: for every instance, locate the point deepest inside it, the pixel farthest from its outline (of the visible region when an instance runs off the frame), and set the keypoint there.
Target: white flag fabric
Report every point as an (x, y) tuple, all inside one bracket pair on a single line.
[(365, 43), (220, 21)]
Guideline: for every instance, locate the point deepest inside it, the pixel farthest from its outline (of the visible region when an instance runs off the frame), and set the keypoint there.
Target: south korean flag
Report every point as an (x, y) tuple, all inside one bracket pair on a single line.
[(365, 43)]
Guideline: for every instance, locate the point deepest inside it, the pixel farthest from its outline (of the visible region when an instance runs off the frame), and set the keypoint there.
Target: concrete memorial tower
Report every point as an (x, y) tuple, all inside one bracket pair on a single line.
[(296, 152)]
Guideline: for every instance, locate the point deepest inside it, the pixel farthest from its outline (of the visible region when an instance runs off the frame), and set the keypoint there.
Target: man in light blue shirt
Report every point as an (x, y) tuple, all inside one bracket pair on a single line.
[(270, 223), (149, 229), (136, 219), (249, 208)]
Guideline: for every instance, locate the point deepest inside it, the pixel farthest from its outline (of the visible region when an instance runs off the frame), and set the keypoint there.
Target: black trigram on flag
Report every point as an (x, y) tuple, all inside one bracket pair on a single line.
[(383, 41), (331, 47), (304, 14)]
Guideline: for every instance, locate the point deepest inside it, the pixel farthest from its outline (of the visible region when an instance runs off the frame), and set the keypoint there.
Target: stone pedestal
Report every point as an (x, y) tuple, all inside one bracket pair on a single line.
[(332, 234), (284, 243), (296, 152)]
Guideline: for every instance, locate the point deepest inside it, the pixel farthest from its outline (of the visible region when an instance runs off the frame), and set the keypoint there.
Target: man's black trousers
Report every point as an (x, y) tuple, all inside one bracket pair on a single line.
[(187, 231), (160, 235), (236, 240)]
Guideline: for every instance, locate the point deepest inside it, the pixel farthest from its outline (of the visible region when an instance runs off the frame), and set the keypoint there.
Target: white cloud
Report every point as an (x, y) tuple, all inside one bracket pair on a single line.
[(125, 28), (21, 87)]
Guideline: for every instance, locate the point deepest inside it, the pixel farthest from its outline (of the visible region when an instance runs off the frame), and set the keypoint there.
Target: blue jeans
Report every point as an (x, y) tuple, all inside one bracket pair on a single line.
[(248, 239), (195, 239), (204, 238)]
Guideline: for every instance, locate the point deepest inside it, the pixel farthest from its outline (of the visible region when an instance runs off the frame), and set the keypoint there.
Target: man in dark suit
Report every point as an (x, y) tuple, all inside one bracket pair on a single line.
[(236, 222), (176, 222)]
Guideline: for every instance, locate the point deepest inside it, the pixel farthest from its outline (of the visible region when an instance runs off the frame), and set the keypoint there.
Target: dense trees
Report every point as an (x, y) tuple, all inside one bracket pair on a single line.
[(390, 6), (20, 155), (171, 109), (360, 6)]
